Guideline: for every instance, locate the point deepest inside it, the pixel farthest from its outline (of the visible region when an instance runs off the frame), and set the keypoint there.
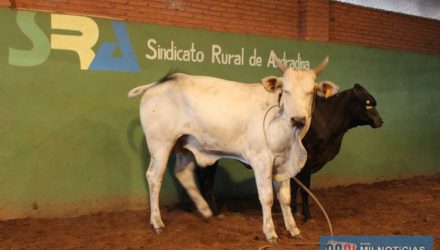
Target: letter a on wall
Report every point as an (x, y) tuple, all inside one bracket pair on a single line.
[(105, 60)]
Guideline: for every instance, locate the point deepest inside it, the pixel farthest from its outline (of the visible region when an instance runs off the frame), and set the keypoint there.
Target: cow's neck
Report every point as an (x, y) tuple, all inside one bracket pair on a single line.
[(335, 112), (278, 132)]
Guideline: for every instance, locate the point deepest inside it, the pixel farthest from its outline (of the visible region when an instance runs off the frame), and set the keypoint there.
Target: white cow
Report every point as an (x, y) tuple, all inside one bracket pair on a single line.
[(202, 119)]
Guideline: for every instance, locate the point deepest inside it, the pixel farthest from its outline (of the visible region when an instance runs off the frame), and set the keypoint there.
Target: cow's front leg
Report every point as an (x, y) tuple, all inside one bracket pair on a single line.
[(294, 191), (263, 178), (283, 195), (305, 178)]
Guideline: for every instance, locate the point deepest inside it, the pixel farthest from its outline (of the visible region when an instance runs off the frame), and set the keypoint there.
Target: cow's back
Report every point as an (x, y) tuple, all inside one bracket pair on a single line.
[(216, 111)]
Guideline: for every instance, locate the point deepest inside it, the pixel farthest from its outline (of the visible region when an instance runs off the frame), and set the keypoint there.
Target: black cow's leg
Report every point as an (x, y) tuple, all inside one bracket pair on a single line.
[(206, 177), (305, 179), (294, 191)]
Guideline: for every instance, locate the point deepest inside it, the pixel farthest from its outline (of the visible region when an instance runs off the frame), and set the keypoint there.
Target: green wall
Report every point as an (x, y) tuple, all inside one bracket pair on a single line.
[(71, 140)]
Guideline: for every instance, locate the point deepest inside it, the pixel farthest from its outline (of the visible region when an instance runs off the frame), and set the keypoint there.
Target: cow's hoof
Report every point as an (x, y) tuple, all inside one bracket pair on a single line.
[(158, 230), (273, 240), (206, 212), (220, 216), (310, 220), (294, 232), (298, 237)]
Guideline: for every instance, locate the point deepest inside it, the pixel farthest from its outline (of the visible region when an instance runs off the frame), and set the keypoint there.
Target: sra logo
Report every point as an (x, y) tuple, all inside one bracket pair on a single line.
[(81, 43)]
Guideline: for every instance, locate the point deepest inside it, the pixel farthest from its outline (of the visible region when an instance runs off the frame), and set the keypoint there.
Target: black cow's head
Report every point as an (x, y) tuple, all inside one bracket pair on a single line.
[(363, 108)]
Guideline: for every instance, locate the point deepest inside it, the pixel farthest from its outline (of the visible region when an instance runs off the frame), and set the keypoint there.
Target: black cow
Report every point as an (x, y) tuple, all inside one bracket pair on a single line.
[(332, 118)]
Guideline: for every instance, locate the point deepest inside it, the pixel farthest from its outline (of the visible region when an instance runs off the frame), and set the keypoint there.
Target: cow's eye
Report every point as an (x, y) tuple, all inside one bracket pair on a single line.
[(286, 91), (368, 105)]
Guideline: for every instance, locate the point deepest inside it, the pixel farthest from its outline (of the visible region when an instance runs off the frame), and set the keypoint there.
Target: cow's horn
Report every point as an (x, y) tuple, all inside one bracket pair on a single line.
[(278, 62), (321, 66)]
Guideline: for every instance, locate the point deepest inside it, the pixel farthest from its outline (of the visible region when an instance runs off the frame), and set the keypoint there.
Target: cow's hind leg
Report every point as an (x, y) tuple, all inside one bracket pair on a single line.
[(155, 173), (184, 171), (205, 176), (283, 195)]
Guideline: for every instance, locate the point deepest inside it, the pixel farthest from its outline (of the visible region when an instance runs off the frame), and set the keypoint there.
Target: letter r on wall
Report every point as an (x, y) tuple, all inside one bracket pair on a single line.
[(81, 44)]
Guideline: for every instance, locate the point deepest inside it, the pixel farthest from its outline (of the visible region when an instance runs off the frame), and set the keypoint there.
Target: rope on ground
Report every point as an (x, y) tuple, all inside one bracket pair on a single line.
[(318, 203), (323, 211)]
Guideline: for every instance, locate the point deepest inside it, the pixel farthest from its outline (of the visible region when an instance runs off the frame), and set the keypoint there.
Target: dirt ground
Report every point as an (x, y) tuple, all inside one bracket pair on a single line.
[(405, 207)]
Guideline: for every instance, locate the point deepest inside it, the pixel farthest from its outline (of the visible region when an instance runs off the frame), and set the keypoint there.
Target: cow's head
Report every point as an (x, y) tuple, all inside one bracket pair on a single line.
[(363, 108), (297, 88)]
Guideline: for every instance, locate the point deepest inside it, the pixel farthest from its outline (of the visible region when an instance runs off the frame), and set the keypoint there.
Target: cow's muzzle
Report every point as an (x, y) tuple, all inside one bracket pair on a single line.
[(377, 123), (298, 122)]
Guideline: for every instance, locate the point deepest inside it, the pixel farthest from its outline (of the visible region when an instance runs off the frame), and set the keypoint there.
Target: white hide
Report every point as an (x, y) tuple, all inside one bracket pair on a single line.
[(204, 119)]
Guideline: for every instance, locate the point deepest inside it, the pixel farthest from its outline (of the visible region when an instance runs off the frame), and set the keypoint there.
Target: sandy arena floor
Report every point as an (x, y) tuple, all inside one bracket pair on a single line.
[(406, 207)]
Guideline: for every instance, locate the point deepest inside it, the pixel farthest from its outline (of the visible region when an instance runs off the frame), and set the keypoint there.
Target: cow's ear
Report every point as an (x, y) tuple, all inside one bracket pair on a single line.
[(358, 89), (272, 83), (326, 89)]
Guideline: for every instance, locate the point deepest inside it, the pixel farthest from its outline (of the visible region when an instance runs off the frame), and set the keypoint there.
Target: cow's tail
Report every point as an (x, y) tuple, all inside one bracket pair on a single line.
[(140, 90)]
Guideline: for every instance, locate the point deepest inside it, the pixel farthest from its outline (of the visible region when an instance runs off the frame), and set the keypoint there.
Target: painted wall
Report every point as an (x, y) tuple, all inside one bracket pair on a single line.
[(71, 141), (313, 20)]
